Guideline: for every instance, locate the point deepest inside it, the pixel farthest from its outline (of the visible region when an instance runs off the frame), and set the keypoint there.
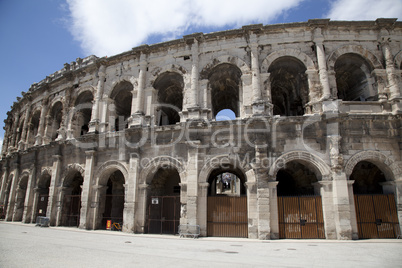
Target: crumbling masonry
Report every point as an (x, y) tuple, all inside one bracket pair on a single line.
[(134, 139)]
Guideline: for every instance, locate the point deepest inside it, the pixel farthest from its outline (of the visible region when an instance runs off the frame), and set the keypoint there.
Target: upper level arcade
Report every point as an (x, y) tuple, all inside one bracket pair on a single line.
[(286, 70)]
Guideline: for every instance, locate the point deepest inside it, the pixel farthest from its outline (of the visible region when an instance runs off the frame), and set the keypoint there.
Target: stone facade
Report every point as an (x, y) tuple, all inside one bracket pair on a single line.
[(318, 102)]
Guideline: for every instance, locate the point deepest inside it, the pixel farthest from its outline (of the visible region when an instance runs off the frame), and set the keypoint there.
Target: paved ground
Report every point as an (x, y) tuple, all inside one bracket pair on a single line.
[(24, 245)]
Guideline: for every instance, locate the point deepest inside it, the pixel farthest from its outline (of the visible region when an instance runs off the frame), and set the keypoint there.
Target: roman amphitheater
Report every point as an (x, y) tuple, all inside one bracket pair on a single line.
[(144, 139)]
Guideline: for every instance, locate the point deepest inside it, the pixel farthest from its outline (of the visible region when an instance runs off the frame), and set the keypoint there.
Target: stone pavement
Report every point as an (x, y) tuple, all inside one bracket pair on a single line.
[(24, 245)]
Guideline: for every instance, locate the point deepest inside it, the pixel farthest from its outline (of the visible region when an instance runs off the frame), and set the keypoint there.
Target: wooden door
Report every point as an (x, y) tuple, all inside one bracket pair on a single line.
[(227, 216), (376, 216), (300, 217)]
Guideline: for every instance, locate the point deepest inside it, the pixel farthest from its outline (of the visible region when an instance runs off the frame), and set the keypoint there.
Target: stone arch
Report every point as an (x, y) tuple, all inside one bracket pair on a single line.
[(107, 168), (374, 62), (23, 174), (109, 87), (46, 171), (233, 60), (391, 169), (318, 166), (72, 168), (172, 68), (152, 167), (302, 57), (398, 60), (223, 160), (170, 90)]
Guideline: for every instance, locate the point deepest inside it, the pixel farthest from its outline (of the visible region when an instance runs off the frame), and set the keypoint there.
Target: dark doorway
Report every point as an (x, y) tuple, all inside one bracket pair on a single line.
[(164, 202), (114, 199), (376, 212), (72, 199)]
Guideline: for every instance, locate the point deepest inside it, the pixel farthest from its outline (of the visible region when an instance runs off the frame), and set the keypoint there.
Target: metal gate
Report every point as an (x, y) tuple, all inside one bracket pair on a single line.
[(227, 216), (73, 210), (114, 207), (164, 215), (42, 205), (300, 217), (376, 216)]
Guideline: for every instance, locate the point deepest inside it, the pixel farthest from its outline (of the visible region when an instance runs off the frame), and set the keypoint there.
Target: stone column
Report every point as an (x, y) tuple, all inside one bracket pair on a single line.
[(13, 191), (3, 188), (35, 204), (98, 205), (130, 194), (193, 100), (342, 205), (29, 196), (22, 142), (14, 134), (273, 208), (62, 192), (137, 117), (141, 214), (398, 199), (94, 124), (322, 64), (252, 210), (324, 189), (192, 183), (264, 213), (353, 217), (391, 73), (51, 211), (42, 122), (86, 190), (202, 207)]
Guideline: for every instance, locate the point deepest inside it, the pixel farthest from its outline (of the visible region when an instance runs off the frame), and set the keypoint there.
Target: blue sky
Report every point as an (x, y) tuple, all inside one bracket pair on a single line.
[(38, 37)]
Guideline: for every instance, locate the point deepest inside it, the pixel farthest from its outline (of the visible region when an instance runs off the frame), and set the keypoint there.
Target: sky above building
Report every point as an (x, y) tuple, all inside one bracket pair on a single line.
[(38, 37)]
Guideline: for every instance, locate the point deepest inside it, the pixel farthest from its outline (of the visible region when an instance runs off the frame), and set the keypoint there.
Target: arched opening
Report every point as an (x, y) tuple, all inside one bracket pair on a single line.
[(299, 207), (72, 199), (376, 212), (55, 117), (169, 86), (225, 115), (20, 198), (82, 115), (295, 179), (224, 82), (33, 128), (367, 178), (7, 194), (43, 195), (122, 98), (289, 86), (227, 203), (113, 206), (164, 202), (353, 75), (230, 182)]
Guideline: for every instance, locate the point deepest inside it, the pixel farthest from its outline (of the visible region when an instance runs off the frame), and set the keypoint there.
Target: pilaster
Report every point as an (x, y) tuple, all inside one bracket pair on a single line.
[(86, 190), (52, 206)]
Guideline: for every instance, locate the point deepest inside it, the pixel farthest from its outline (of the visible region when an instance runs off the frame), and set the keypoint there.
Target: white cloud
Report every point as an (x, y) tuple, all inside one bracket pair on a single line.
[(105, 27), (365, 9)]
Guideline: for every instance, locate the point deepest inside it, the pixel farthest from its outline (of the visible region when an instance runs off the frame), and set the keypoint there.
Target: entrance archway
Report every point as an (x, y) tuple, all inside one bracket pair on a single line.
[(20, 198), (376, 211), (72, 199), (164, 202), (299, 208), (43, 195), (227, 203), (113, 202)]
